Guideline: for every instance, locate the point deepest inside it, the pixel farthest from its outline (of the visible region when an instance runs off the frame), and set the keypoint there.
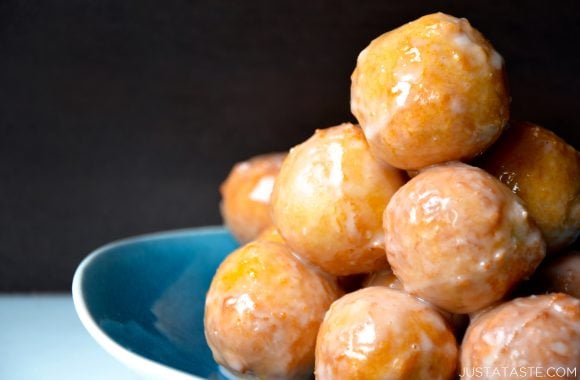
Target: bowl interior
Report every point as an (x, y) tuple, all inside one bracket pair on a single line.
[(147, 294)]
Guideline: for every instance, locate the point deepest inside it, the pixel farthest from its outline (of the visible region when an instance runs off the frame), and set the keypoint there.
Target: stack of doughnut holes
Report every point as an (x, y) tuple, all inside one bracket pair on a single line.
[(429, 241)]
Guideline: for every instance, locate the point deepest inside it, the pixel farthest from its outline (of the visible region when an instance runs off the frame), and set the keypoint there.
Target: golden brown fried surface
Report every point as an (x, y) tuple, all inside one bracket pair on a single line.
[(263, 311), (431, 91), (246, 195), (329, 198), (533, 332), (380, 333), (544, 172), (459, 238)]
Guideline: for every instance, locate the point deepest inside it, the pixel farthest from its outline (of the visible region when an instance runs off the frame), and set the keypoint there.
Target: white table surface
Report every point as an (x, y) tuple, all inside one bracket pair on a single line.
[(42, 338)]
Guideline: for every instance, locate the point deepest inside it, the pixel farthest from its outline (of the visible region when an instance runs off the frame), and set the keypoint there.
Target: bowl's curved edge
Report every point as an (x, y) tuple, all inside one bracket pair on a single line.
[(136, 362)]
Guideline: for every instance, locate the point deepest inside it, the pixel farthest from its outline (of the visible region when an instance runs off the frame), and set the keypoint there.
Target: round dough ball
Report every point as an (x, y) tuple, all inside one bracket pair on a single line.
[(532, 334), (380, 333), (431, 91), (263, 311), (544, 172), (328, 200), (246, 195), (459, 238)]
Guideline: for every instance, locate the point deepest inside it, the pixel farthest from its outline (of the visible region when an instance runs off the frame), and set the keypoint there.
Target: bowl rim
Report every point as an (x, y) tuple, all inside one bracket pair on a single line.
[(131, 359)]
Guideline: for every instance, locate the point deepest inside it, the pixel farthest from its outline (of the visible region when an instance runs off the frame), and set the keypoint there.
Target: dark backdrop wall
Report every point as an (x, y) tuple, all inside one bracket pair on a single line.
[(121, 117)]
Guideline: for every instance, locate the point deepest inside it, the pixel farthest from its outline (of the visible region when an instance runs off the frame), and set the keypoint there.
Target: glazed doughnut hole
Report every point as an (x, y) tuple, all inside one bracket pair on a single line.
[(537, 331), (339, 213), (547, 180), (459, 238), (380, 333), (246, 192), (263, 311), (328, 200), (431, 91)]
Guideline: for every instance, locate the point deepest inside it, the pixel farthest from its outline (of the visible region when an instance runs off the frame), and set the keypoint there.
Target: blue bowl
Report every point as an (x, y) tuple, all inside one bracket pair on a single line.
[(142, 299)]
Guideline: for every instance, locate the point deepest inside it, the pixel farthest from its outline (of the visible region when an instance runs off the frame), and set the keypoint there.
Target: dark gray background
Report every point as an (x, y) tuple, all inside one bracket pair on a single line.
[(122, 117)]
